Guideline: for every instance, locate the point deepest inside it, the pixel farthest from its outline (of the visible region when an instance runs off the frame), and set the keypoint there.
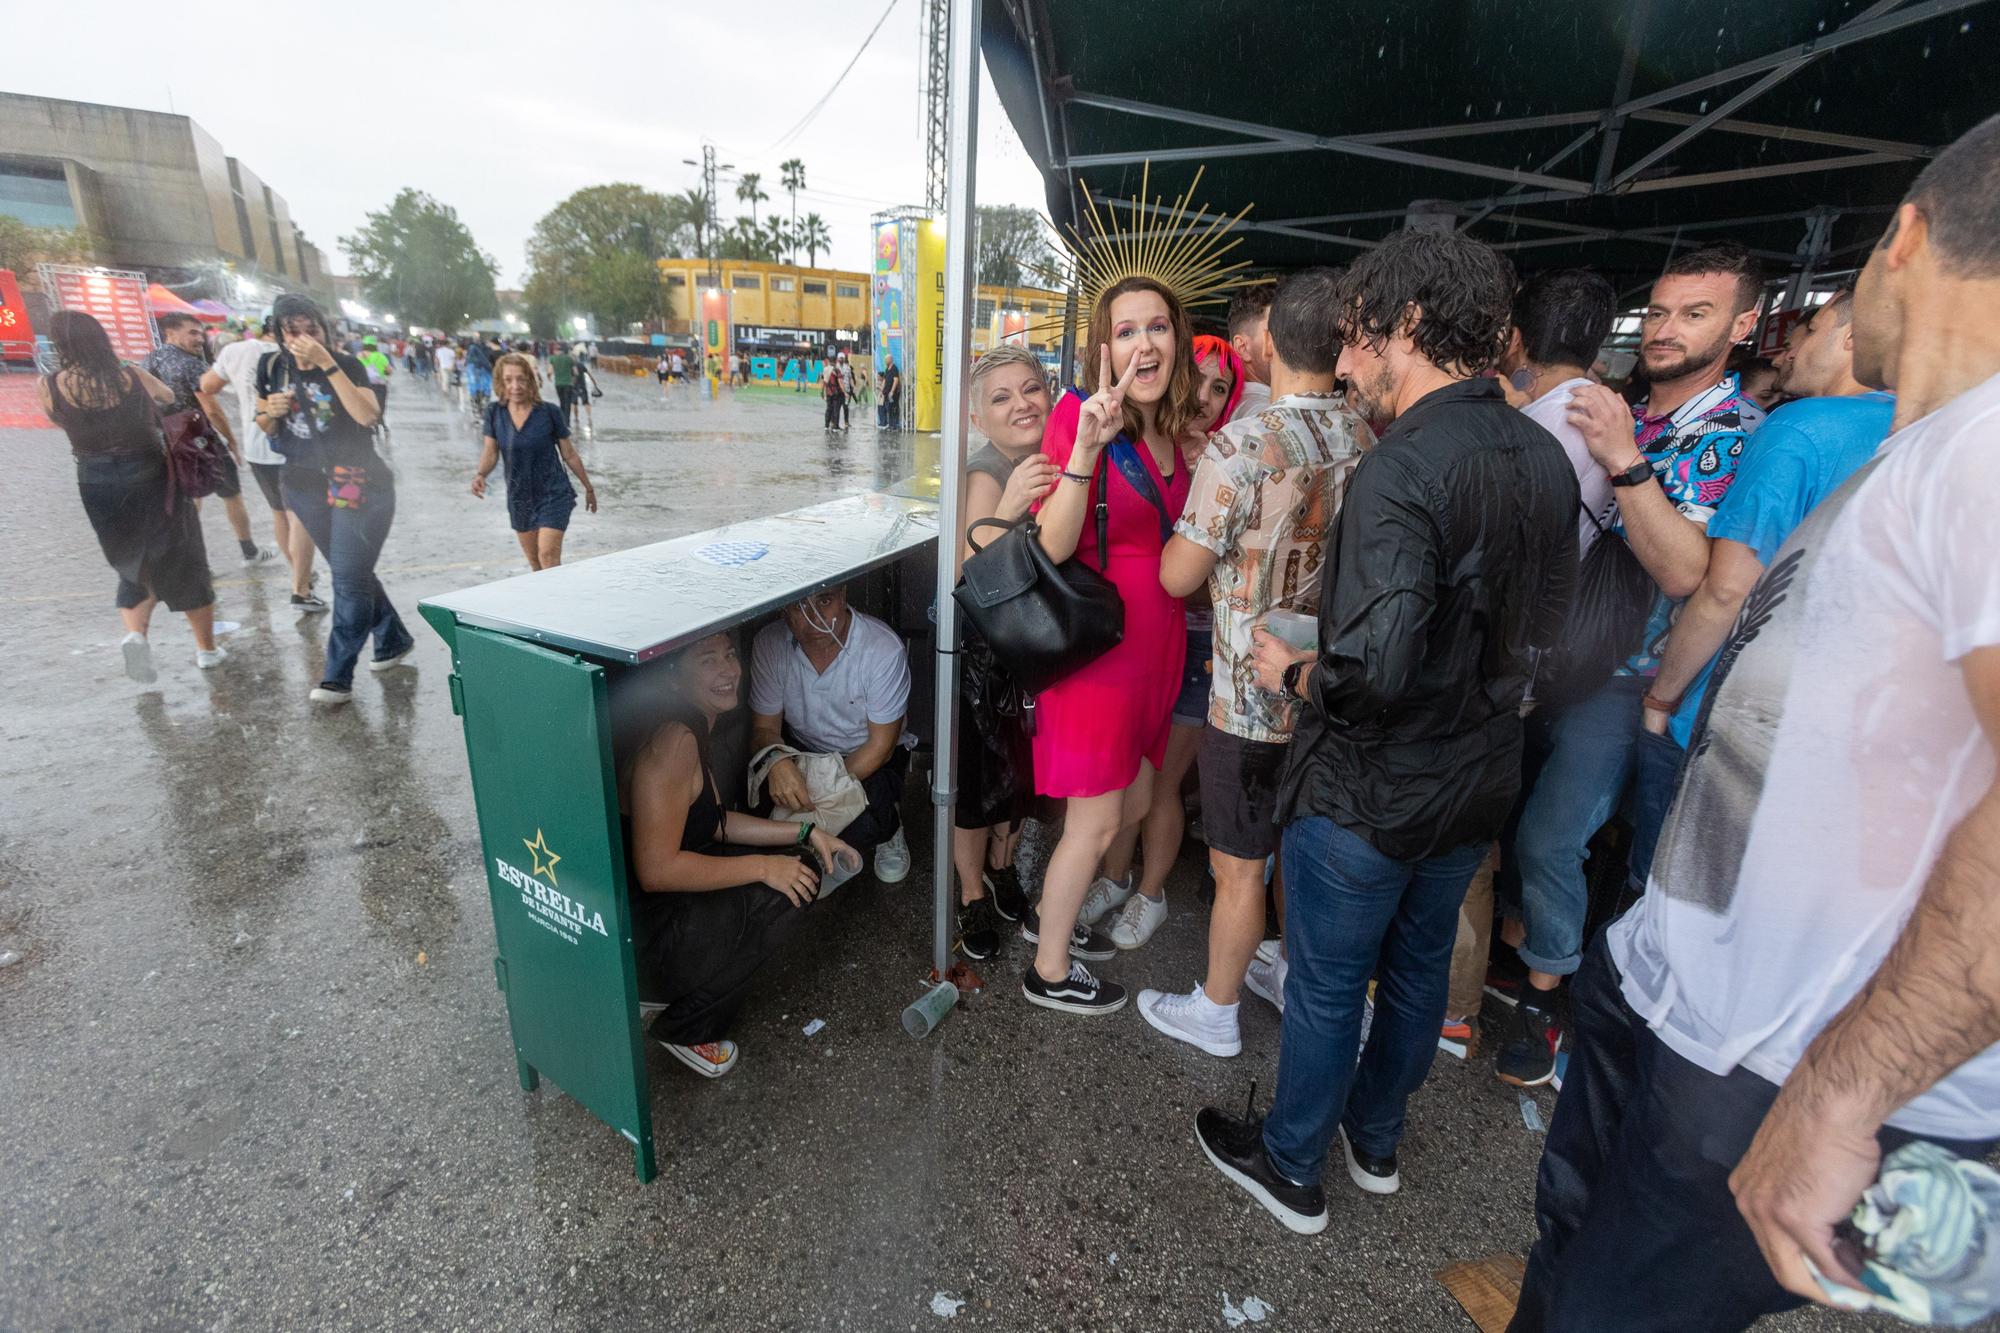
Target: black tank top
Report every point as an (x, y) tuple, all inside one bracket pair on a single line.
[(125, 427)]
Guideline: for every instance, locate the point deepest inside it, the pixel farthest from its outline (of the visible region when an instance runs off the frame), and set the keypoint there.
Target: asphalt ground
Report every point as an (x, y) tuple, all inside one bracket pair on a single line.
[(254, 1071)]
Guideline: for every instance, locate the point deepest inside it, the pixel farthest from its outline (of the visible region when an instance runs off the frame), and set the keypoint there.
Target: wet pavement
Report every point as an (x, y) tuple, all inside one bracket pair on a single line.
[(254, 1072)]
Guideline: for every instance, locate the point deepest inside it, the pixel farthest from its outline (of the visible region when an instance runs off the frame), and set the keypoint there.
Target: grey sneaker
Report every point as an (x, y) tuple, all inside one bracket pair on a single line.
[(892, 859)]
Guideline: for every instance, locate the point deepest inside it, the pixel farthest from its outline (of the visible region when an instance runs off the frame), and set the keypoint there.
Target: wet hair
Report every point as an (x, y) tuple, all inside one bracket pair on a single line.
[(1007, 354), (1447, 292), (1180, 409), (85, 348), (1305, 320), (1729, 257), (1564, 316), (291, 305), (527, 365), (175, 319), (1959, 195), (1250, 304)]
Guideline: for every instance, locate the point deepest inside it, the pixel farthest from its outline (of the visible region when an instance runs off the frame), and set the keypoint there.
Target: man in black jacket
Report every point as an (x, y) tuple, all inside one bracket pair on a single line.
[(1453, 558)]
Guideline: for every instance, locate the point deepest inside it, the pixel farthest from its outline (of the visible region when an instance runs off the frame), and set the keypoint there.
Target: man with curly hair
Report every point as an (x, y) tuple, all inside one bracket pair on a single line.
[(1452, 559)]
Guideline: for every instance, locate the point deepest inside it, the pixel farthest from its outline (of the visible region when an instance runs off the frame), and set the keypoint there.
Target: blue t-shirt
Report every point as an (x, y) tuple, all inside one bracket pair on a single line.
[(1803, 452), (530, 456)]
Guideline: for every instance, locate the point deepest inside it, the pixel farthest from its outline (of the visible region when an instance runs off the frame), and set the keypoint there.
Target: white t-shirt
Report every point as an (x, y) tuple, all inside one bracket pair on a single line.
[(447, 357), (237, 365), (1551, 413), (1256, 397), (1837, 753), (830, 711)]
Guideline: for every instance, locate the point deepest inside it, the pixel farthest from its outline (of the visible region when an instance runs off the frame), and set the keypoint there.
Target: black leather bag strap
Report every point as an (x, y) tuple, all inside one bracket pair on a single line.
[(1103, 483)]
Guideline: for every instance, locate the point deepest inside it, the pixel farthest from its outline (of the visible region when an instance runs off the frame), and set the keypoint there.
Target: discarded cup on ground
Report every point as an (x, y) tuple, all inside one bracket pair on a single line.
[(1300, 631), (846, 865), (930, 1009)]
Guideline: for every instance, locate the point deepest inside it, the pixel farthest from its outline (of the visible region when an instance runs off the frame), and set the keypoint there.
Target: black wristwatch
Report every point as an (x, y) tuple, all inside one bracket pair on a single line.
[(1292, 673), (1638, 474)]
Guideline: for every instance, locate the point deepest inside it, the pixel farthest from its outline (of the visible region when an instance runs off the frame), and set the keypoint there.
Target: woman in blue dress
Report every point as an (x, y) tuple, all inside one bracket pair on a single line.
[(532, 439)]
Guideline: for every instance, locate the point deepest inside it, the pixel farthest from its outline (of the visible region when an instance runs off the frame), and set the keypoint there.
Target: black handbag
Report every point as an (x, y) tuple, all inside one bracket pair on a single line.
[(1607, 621), (1044, 621)]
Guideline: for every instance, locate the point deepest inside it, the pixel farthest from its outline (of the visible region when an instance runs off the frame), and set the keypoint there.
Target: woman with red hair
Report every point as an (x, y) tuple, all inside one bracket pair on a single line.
[(1101, 734)]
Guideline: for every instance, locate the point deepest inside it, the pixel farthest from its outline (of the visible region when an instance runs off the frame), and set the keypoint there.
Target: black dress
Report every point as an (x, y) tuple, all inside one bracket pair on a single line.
[(996, 763), (697, 952), (121, 474)]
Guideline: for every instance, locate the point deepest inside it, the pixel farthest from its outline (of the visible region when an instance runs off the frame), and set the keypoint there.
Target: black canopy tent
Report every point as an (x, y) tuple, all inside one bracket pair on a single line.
[(1600, 132)]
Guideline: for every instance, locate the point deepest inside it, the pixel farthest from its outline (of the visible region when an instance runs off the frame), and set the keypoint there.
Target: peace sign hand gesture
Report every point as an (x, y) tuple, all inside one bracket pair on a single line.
[(1103, 413)]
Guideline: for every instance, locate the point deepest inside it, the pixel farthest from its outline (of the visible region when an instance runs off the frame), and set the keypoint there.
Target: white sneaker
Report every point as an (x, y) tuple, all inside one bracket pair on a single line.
[(1265, 979), (1271, 950), (264, 555), (1137, 920), (223, 627), (138, 658), (1194, 1019), (206, 658), (1106, 896), (892, 859)]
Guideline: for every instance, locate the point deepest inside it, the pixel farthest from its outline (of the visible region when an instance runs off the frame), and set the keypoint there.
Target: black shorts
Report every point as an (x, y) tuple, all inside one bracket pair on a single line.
[(270, 477), (1239, 793), (228, 481), (566, 398)]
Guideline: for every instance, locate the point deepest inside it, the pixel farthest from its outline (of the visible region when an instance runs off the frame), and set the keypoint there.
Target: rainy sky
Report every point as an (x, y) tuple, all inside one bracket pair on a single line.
[(501, 109)]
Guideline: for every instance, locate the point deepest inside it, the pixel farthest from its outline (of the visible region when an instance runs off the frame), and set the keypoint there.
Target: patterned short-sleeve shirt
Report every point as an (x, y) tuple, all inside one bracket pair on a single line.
[(1694, 452), (1264, 497)]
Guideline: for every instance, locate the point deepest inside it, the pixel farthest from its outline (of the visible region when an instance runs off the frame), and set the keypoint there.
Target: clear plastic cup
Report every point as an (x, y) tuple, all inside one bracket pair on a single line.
[(1299, 630), (846, 865)]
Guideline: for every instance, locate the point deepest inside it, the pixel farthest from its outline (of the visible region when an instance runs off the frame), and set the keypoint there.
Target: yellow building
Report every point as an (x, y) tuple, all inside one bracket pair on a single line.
[(778, 308)]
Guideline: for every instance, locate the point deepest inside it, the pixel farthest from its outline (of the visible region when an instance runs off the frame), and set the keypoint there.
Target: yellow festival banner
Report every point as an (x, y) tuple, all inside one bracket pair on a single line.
[(924, 337)]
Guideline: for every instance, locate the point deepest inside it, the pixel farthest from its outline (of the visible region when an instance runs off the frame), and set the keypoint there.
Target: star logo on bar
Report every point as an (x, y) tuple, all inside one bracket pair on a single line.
[(545, 860)]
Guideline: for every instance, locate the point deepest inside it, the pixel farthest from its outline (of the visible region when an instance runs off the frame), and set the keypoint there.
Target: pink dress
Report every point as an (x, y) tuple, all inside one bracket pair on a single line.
[(1092, 729)]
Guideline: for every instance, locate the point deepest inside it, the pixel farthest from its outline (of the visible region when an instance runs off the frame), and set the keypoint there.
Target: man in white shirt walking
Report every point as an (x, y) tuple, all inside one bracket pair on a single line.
[(1810, 980)]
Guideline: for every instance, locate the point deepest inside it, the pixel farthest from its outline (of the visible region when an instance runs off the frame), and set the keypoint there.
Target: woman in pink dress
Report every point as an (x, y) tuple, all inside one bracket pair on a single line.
[(1101, 734)]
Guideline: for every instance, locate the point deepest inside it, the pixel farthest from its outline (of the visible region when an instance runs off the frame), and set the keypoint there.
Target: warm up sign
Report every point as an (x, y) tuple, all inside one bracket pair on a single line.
[(547, 906)]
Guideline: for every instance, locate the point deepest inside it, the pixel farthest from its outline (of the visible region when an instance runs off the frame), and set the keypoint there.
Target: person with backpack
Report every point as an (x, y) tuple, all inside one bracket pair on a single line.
[(1670, 458), (150, 535), (321, 414)]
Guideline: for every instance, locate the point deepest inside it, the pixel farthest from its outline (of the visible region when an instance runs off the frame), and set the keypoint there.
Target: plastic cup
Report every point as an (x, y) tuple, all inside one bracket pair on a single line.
[(1300, 631), (846, 865), (930, 1009)]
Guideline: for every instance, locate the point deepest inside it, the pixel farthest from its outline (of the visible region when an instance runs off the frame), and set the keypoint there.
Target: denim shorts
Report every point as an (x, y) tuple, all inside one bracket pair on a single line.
[(1191, 709)]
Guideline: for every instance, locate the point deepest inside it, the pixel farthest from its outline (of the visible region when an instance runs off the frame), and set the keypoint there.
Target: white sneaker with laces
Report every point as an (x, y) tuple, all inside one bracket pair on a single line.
[(1271, 950), (1265, 979), (1106, 896), (1194, 1019), (892, 859), (1137, 920), (206, 658), (138, 658)]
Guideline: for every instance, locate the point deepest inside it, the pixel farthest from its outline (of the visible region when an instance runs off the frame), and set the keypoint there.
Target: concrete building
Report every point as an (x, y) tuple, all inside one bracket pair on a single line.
[(156, 191)]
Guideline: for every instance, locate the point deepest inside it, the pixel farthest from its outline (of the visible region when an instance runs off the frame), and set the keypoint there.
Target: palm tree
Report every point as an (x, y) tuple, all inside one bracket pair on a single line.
[(692, 205), (795, 180), (779, 237), (749, 190), (814, 236)]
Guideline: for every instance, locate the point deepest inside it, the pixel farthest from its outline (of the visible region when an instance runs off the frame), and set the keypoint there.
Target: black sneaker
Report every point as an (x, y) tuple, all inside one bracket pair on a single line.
[(1236, 1149), (1003, 890), (1077, 993), (308, 605), (1083, 941), (978, 929), (1376, 1175), (1528, 1060)]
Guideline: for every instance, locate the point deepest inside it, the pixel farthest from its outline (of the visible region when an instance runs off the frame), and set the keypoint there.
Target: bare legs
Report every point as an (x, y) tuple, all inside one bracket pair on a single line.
[(297, 544), (238, 515), (1089, 825), (139, 619), (1235, 924), (975, 850), (1165, 820), (542, 546)]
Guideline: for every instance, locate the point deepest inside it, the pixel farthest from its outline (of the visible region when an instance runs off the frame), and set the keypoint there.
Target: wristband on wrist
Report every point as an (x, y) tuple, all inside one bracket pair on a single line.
[(805, 832), (1077, 476), (1658, 704)]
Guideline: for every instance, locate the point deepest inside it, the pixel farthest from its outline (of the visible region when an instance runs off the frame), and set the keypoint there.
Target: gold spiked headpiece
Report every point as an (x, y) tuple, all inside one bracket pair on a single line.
[(1179, 245)]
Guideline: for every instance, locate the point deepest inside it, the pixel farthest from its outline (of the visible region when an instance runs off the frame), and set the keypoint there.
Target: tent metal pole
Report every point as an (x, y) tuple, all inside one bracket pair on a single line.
[(962, 80)]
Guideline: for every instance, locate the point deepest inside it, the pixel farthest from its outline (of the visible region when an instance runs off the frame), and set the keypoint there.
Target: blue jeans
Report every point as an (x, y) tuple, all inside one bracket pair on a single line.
[(351, 540), (1656, 777), (1588, 748), (1352, 913)]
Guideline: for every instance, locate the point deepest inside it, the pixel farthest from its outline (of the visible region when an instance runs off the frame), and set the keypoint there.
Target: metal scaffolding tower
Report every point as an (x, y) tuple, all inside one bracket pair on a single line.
[(936, 91)]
